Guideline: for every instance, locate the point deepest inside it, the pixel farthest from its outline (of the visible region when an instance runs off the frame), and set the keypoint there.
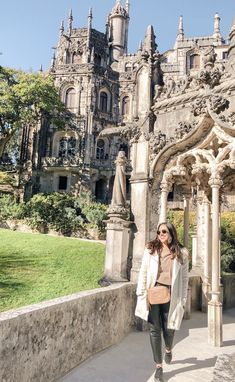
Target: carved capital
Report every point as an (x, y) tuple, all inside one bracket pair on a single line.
[(215, 182), (165, 186)]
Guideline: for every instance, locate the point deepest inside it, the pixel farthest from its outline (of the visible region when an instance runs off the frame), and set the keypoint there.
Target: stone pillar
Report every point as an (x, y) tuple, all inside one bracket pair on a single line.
[(186, 220), (139, 203), (117, 246), (139, 207), (163, 201), (118, 232), (198, 255), (214, 305), (207, 255)]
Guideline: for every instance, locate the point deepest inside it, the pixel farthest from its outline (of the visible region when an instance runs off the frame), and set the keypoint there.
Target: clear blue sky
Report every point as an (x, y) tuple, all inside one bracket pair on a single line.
[(29, 28)]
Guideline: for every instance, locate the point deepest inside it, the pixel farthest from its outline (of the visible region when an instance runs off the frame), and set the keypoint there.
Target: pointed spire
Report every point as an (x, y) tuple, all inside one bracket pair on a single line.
[(89, 28), (149, 42), (70, 22), (140, 45), (62, 28), (180, 36), (40, 69), (217, 33), (90, 17)]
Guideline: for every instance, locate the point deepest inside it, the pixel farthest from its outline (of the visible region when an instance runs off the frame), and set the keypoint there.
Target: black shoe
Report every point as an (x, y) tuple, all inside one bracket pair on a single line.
[(168, 357), (158, 376)]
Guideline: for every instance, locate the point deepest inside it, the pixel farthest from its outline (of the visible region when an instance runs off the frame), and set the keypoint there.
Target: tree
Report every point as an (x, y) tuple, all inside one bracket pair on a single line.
[(24, 99)]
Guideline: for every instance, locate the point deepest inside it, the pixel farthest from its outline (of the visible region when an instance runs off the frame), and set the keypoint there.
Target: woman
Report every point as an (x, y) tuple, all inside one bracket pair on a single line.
[(165, 263)]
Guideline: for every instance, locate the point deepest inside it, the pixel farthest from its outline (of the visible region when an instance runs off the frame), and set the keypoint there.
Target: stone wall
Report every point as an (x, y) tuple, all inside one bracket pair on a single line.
[(42, 342)]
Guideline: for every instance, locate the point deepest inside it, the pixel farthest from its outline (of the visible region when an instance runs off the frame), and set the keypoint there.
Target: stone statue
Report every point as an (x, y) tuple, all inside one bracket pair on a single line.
[(119, 187)]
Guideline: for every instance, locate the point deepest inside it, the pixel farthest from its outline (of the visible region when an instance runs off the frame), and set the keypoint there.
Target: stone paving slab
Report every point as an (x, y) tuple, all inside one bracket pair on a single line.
[(131, 359)]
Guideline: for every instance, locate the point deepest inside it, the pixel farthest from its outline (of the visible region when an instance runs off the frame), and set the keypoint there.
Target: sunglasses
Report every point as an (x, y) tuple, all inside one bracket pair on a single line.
[(164, 231)]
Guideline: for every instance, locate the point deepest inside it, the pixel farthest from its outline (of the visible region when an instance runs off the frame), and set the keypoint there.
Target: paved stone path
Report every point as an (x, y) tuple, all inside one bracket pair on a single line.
[(131, 360)]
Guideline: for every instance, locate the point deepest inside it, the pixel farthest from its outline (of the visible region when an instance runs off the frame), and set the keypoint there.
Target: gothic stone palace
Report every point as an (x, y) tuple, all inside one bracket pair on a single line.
[(118, 97)]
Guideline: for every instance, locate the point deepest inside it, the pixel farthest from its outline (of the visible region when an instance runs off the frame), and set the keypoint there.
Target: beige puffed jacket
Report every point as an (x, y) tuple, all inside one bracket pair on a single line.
[(147, 279)]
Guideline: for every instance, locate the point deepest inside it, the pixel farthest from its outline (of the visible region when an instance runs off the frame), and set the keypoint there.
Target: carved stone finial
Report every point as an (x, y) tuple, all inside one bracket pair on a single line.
[(180, 36), (90, 18), (217, 34), (62, 28), (70, 22), (127, 7)]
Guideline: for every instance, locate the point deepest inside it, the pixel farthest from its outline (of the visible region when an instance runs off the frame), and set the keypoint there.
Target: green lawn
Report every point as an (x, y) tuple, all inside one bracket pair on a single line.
[(35, 267)]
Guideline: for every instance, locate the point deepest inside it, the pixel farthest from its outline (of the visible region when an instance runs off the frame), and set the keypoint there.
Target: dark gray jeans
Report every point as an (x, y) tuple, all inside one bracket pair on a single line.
[(157, 326)]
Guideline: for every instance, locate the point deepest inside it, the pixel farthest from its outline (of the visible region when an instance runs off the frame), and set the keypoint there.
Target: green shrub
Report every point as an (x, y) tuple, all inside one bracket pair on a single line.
[(227, 235), (9, 209), (64, 213)]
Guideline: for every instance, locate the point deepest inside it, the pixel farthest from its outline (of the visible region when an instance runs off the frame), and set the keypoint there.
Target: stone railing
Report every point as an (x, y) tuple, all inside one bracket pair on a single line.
[(42, 342), (61, 162)]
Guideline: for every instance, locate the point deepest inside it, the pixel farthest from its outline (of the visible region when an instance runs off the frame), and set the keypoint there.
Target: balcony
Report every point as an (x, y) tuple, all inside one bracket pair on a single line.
[(75, 161)]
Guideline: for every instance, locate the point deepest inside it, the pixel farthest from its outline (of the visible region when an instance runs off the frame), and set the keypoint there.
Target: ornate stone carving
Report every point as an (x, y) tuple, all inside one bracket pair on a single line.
[(218, 103), (119, 188), (75, 161), (209, 57), (199, 107), (210, 78), (156, 143), (183, 129), (131, 134)]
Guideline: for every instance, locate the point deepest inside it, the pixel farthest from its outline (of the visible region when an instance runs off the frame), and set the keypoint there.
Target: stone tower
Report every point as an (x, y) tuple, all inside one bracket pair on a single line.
[(118, 22)]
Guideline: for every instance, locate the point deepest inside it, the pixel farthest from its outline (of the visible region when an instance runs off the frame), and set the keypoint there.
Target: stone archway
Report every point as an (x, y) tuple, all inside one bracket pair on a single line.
[(207, 167)]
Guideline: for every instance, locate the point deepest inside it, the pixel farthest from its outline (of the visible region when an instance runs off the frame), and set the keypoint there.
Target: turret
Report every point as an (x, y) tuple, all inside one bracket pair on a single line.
[(118, 29)]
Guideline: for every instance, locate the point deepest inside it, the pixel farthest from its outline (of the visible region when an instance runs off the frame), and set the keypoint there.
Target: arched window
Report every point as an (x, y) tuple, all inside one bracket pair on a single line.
[(194, 61), (68, 57), (104, 102), (100, 149), (67, 147), (125, 105), (70, 99)]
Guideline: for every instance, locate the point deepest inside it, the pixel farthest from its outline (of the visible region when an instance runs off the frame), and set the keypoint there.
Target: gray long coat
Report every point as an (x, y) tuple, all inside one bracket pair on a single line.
[(147, 279)]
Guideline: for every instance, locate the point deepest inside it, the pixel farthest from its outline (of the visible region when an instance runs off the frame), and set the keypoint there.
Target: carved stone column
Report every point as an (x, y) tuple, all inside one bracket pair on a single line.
[(186, 219), (165, 187), (207, 255), (214, 305), (198, 262)]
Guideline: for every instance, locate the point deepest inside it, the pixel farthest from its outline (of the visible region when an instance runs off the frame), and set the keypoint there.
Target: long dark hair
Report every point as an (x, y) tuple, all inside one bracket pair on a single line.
[(174, 246)]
